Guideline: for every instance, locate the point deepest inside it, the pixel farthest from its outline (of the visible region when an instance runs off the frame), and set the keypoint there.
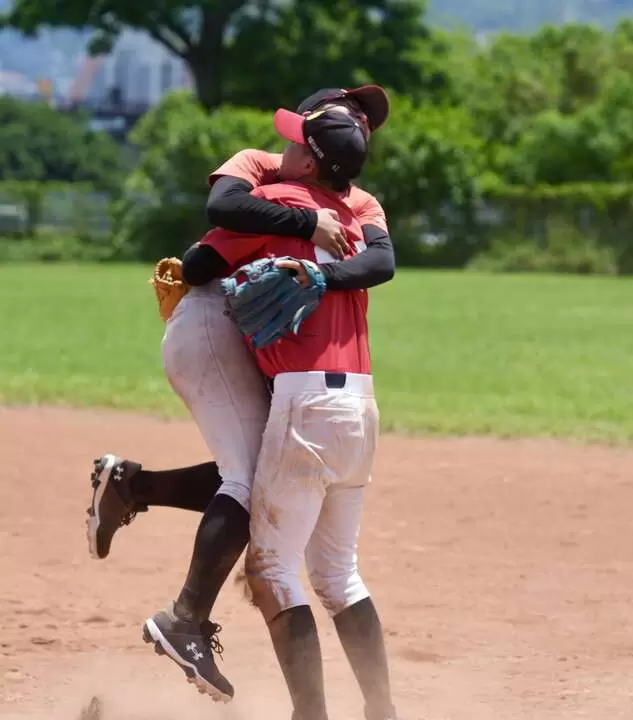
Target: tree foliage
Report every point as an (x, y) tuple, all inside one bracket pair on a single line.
[(179, 145), (38, 143), (263, 52), (552, 106), (472, 121), (303, 45), (424, 158)]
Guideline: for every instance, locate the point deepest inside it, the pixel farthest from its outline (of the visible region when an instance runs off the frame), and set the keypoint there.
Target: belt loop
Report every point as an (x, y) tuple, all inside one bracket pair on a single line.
[(335, 380)]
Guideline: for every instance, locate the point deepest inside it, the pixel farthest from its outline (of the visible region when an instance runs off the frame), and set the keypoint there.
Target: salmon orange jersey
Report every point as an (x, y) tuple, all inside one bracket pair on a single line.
[(261, 168)]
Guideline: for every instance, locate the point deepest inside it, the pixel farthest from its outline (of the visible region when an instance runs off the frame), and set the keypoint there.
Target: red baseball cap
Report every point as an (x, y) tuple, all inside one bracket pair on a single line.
[(373, 101)]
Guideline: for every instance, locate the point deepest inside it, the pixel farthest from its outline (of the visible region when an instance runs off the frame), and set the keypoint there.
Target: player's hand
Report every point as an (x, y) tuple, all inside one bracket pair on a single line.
[(301, 276), (329, 234)]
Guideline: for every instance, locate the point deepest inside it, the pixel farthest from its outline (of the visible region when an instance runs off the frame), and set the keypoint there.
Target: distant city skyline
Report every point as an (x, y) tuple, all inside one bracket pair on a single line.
[(138, 71), (141, 70)]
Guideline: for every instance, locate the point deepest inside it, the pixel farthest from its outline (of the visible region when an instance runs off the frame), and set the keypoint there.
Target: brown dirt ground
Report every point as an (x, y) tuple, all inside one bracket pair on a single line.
[(502, 569)]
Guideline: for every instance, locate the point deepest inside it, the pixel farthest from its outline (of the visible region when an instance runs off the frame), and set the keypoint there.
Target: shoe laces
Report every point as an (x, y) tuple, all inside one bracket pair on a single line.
[(129, 516), (209, 631), (137, 507)]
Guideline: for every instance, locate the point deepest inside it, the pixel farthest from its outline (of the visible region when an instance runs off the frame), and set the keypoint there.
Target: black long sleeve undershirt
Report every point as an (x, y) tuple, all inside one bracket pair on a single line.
[(373, 266), (201, 264), (231, 206)]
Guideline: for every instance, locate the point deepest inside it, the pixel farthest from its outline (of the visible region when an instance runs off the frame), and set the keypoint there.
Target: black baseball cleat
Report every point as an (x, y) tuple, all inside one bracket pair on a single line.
[(112, 504), (190, 645)]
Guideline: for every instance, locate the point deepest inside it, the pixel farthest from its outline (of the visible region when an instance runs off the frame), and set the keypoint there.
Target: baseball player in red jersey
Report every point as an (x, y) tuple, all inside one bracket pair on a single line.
[(319, 442), (214, 376)]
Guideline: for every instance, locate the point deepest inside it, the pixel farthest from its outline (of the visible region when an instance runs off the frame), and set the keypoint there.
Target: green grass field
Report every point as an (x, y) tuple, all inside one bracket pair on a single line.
[(454, 353)]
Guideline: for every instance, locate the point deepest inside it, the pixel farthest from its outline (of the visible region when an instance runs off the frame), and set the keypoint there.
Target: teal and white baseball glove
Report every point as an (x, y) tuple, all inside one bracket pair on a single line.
[(272, 300)]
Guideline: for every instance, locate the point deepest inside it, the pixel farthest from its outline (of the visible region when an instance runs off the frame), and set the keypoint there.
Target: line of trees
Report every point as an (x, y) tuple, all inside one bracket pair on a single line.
[(525, 137)]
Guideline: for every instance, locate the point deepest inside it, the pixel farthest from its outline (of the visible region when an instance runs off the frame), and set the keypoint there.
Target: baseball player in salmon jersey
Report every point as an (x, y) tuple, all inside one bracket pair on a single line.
[(233, 206), (209, 367), (123, 488), (319, 443)]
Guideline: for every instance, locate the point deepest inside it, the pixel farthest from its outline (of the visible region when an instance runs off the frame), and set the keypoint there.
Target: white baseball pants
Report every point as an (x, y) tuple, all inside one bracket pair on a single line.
[(307, 501), (211, 369)]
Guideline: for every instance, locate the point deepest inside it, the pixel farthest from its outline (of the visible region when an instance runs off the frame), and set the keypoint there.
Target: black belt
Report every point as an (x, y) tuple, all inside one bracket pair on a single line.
[(333, 380)]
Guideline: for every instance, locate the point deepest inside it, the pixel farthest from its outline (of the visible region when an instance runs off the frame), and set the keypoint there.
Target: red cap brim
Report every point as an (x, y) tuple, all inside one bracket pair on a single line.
[(290, 126), (374, 101)]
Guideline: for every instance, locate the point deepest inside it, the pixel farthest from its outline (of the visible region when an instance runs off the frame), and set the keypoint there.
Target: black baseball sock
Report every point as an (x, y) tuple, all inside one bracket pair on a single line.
[(190, 488), (360, 633), (221, 538), (296, 642)]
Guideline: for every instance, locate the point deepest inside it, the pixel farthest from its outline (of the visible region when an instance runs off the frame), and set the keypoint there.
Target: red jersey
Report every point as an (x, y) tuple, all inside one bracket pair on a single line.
[(259, 168), (334, 338)]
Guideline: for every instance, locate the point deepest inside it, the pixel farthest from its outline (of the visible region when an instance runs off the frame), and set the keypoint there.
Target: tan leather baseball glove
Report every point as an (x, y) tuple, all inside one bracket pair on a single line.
[(169, 286)]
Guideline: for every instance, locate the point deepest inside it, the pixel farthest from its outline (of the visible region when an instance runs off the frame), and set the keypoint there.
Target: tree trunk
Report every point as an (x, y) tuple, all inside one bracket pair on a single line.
[(206, 59), (207, 78)]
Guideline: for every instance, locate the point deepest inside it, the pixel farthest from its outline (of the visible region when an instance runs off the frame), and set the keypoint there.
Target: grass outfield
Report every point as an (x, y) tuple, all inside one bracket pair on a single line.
[(454, 353)]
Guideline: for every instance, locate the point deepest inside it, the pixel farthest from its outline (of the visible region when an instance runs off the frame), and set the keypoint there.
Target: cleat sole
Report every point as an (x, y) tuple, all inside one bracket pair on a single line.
[(93, 523)]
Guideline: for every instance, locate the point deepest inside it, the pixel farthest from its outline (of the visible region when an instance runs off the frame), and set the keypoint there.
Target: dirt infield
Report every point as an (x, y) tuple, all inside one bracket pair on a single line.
[(503, 572)]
